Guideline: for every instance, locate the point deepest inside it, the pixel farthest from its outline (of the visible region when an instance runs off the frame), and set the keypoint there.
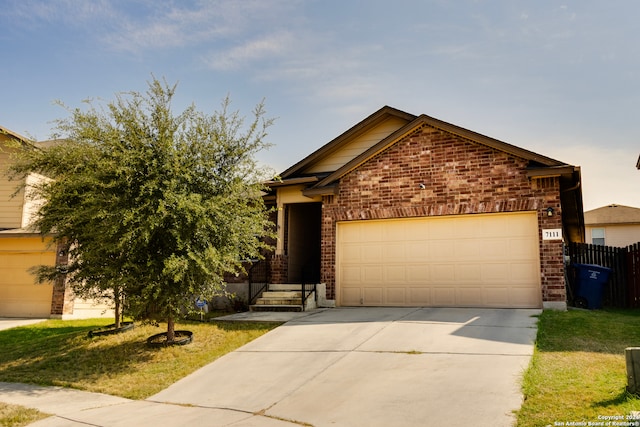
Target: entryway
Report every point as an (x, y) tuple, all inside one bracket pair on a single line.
[(303, 224)]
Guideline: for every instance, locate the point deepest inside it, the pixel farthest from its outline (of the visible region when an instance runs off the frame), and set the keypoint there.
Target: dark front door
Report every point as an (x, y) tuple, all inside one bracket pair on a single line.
[(304, 224)]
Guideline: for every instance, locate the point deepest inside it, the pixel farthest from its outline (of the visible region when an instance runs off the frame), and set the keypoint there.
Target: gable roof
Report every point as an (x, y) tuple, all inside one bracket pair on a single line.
[(15, 135), (423, 120), (612, 214), (334, 145), (28, 142), (325, 182), (412, 123)]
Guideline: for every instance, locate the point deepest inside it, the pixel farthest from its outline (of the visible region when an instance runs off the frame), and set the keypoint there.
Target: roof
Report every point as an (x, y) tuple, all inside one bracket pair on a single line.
[(43, 145), (412, 123), (612, 214), (15, 135), (335, 144), (430, 121), (20, 232), (539, 166)]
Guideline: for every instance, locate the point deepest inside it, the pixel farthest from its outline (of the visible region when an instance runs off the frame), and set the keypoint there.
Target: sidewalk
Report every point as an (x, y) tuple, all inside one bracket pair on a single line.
[(270, 316), (80, 408), (13, 322)]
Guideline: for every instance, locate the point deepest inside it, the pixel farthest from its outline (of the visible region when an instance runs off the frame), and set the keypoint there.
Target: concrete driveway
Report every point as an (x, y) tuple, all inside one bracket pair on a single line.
[(375, 367)]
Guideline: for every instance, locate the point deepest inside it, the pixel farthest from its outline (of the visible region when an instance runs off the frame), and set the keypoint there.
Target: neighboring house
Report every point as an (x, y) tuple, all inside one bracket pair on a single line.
[(405, 210), (613, 225), (22, 248)]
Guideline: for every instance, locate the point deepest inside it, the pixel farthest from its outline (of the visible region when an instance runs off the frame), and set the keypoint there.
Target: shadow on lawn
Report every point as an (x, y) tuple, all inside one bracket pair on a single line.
[(63, 355), (620, 399)]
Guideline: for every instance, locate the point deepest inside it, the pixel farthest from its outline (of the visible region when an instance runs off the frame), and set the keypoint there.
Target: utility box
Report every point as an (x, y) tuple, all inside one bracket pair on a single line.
[(590, 281), (632, 355)]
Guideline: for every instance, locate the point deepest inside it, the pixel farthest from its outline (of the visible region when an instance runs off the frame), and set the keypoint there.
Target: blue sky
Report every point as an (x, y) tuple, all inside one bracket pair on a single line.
[(561, 78)]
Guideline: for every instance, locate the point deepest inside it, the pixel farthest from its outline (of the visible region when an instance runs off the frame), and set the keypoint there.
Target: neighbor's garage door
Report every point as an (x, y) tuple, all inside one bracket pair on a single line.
[(20, 296), (462, 261)]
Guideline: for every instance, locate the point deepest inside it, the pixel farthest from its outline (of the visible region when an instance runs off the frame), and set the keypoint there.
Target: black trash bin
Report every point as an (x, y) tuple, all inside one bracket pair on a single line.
[(590, 281)]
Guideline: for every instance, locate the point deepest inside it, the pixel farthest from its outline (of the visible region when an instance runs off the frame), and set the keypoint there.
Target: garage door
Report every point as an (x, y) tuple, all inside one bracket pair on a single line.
[(462, 261), (19, 295)]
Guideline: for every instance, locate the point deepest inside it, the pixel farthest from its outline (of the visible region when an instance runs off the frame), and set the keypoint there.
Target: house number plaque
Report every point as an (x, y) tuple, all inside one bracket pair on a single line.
[(552, 234)]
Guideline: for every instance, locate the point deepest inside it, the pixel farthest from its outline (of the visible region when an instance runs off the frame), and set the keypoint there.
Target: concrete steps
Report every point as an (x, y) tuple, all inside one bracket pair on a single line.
[(283, 297), (276, 307)]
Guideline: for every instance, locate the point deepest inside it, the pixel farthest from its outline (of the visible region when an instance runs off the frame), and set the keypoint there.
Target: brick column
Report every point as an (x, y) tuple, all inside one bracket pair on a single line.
[(552, 278), (62, 298), (328, 255)]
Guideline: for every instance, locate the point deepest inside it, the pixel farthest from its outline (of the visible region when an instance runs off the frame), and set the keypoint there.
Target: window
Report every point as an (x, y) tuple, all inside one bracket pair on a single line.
[(597, 236)]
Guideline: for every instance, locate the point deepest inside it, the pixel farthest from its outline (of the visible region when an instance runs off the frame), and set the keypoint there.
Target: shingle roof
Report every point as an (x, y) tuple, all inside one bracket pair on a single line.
[(14, 134), (612, 214)]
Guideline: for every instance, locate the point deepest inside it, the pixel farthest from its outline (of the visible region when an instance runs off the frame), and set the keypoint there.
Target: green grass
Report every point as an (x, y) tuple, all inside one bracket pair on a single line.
[(59, 353), (578, 369), (18, 416)]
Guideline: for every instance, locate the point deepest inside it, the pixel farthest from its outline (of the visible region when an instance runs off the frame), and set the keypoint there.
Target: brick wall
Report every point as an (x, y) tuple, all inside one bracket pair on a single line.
[(459, 177), (279, 268), (62, 299)]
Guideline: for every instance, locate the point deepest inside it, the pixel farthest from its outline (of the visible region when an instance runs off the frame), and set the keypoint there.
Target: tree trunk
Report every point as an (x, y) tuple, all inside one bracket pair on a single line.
[(117, 308), (171, 329)]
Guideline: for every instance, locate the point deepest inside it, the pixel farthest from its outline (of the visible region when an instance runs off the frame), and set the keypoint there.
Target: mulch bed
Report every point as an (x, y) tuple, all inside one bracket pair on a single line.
[(160, 340)]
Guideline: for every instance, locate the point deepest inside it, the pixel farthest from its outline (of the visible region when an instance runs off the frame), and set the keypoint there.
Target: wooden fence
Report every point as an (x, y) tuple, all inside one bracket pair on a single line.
[(633, 274), (623, 288)]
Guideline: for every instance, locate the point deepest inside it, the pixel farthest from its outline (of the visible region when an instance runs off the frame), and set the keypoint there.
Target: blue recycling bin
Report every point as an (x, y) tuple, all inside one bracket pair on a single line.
[(590, 281)]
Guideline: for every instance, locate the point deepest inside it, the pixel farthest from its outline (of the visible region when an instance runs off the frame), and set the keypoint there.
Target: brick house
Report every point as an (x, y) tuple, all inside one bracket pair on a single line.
[(405, 210)]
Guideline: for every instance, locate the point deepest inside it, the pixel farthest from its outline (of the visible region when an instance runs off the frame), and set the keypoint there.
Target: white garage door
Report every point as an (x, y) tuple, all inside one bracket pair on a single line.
[(20, 296), (462, 261)]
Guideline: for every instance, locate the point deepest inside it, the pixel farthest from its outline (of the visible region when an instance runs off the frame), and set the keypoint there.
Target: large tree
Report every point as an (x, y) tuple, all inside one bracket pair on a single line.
[(153, 205)]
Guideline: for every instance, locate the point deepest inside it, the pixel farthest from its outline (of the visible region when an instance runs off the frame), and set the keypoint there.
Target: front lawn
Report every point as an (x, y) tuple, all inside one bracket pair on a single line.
[(578, 373), (59, 353), (18, 416)]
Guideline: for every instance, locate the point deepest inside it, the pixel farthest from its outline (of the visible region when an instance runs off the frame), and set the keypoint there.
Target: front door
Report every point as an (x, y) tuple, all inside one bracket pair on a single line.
[(304, 225)]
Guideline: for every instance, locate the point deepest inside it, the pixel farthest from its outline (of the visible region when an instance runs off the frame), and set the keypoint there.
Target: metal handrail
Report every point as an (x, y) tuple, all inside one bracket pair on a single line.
[(308, 275), (306, 295), (255, 289)]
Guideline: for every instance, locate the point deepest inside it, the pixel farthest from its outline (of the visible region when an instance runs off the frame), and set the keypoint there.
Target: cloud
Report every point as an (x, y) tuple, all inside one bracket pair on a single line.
[(141, 25), (315, 64), (161, 27), (182, 24), (327, 73), (259, 48)]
